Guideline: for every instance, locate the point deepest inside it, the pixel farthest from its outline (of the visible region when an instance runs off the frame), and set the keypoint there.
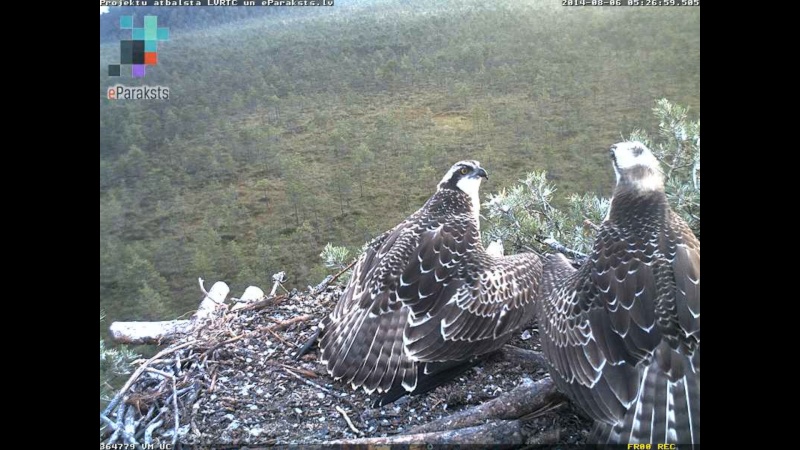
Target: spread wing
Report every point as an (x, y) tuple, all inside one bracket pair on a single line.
[(621, 332), (464, 302), (362, 339), (425, 291)]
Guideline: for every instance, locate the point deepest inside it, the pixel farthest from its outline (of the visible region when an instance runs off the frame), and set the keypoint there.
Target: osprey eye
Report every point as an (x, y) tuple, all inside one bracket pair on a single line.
[(464, 171)]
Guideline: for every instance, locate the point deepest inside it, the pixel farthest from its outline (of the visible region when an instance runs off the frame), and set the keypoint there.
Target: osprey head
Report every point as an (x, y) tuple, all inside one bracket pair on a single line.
[(636, 167), (464, 175)]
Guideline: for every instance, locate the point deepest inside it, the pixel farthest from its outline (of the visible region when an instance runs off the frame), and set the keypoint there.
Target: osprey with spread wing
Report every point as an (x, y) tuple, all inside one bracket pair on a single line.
[(425, 298)]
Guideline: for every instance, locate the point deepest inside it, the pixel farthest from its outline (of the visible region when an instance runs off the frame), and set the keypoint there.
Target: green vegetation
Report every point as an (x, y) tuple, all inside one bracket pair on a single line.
[(523, 215), (114, 363), (284, 133)]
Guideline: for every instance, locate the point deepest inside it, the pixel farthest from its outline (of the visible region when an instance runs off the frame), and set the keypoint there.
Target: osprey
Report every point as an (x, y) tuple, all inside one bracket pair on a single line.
[(425, 298), (622, 333)]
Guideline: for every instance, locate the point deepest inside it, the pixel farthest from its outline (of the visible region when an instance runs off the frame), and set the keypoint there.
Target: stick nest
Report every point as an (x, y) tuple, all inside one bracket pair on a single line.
[(234, 381)]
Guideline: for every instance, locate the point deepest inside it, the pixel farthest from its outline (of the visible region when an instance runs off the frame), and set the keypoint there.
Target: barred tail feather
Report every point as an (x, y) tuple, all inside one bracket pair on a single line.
[(666, 412)]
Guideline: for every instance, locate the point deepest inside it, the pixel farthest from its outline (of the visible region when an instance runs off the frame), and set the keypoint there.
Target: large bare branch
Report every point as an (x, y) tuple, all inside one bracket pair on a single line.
[(164, 332), (496, 434), (523, 400)]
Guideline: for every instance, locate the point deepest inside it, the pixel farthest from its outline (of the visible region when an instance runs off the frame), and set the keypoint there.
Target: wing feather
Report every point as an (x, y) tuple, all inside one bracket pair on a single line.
[(358, 340), (622, 333), (478, 311), (425, 292)]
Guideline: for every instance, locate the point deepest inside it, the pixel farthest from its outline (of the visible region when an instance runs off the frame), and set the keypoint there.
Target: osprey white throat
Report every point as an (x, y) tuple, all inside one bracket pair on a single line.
[(631, 154), (471, 186)]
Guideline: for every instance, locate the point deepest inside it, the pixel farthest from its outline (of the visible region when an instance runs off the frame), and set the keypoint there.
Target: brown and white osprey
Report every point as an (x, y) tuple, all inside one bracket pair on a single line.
[(622, 333), (425, 297)]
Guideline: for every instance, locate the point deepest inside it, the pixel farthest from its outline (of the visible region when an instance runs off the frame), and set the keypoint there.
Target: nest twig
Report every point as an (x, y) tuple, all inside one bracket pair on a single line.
[(164, 391)]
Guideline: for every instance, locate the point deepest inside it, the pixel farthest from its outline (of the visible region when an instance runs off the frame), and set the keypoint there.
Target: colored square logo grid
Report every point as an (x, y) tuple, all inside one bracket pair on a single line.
[(142, 48)]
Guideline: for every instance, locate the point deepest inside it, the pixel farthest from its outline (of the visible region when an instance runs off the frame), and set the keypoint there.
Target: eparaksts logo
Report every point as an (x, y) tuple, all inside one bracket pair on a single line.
[(141, 50), (120, 92)]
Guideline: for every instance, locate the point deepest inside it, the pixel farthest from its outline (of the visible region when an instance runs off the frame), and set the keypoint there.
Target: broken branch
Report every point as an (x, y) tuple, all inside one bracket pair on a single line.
[(495, 434), (523, 400), (347, 419), (170, 330)]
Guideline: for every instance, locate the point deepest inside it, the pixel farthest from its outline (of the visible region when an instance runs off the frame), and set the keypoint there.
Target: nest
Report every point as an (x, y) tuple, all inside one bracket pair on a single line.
[(234, 381)]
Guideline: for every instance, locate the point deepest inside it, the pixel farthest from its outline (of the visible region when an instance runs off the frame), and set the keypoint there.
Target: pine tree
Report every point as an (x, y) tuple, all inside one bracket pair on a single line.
[(523, 216), (114, 362)]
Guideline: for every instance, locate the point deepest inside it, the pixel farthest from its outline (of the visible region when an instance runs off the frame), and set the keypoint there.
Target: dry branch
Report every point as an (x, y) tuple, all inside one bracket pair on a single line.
[(164, 332), (261, 304), (139, 371), (335, 277), (523, 400), (149, 332), (175, 411), (528, 358), (309, 382), (219, 291), (148, 432), (286, 323), (278, 278), (349, 422), (278, 337), (498, 434), (251, 295)]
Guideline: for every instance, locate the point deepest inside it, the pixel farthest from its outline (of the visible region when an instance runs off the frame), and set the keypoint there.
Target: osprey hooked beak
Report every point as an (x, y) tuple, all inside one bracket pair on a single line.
[(482, 173)]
